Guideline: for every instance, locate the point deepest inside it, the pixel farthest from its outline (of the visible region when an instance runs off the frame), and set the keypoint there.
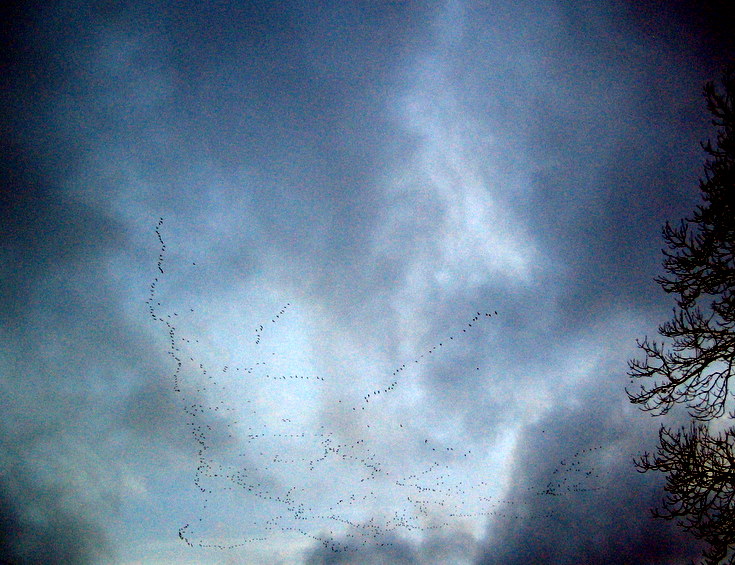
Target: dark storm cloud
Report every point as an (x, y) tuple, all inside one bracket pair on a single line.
[(45, 237), (609, 136), (68, 365), (560, 514), (253, 92), (76, 374), (453, 546), (36, 528), (399, 553), (297, 96), (42, 229), (258, 90)]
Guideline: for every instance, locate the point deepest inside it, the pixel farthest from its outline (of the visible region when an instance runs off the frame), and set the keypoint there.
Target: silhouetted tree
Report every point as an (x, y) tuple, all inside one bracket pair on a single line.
[(700, 484), (694, 365)]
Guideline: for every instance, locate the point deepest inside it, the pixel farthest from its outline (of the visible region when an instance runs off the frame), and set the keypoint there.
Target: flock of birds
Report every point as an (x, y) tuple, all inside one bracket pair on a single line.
[(385, 477)]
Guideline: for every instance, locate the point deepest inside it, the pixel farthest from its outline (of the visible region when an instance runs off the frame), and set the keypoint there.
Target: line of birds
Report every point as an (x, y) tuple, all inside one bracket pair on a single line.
[(416, 497)]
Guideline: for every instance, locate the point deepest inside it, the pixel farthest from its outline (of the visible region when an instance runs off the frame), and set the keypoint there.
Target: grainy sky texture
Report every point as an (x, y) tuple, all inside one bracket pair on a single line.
[(339, 282)]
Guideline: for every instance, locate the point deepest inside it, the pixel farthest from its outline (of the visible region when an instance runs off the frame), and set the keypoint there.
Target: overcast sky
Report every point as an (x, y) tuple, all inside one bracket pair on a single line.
[(339, 282)]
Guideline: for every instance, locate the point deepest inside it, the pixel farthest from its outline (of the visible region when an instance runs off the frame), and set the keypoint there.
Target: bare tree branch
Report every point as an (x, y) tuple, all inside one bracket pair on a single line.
[(693, 363), (694, 366)]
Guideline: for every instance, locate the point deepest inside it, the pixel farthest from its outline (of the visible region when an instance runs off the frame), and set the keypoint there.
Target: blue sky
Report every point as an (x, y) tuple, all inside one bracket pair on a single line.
[(405, 251)]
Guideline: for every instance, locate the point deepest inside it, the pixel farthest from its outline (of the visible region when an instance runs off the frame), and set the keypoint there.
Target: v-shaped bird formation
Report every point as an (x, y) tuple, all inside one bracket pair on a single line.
[(335, 459)]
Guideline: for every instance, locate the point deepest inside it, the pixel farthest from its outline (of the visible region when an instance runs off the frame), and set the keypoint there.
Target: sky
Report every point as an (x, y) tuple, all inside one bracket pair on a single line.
[(340, 282)]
